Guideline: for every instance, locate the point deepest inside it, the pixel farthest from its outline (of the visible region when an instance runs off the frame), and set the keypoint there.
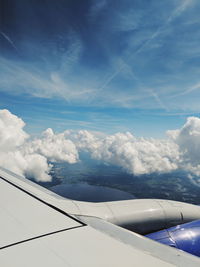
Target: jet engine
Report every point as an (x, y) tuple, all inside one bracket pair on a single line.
[(185, 237)]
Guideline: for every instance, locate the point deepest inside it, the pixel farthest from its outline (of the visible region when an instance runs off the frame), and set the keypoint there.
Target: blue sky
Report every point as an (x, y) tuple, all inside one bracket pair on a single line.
[(108, 65)]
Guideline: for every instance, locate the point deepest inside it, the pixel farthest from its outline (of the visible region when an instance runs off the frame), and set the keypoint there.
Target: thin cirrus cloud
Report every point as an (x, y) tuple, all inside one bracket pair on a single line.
[(121, 54), (135, 155)]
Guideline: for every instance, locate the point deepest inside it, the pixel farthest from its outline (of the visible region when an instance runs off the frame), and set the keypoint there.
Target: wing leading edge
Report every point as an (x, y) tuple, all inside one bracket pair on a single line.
[(36, 231)]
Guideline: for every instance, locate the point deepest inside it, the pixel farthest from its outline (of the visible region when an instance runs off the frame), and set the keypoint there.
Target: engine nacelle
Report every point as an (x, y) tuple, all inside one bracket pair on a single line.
[(185, 237)]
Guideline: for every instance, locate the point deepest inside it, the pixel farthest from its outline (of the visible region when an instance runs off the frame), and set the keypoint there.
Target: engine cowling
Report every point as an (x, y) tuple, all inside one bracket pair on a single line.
[(185, 237)]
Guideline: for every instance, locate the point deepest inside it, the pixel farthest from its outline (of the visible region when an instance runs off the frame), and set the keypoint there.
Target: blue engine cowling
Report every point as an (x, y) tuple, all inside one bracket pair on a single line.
[(185, 237)]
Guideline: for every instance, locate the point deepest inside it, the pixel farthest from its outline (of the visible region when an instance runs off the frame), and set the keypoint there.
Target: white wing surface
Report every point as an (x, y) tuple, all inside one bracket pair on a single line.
[(36, 231)]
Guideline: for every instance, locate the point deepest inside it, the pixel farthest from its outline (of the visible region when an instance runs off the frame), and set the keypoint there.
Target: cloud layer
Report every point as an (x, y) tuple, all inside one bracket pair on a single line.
[(30, 157), (120, 54)]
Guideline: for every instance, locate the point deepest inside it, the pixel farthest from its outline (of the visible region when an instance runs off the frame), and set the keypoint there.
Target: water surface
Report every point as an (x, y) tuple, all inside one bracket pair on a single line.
[(91, 193)]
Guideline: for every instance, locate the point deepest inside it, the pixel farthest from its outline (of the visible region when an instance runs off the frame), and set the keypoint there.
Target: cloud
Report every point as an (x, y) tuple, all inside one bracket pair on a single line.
[(145, 155), (9, 40), (96, 8), (109, 56), (189, 90), (131, 20), (188, 140), (137, 156), (55, 147), (182, 7), (28, 157), (11, 131), (21, 78)]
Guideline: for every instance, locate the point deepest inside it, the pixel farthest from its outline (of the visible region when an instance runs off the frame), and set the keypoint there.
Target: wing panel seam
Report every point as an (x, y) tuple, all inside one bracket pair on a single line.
[(44, 202), (40, 236)]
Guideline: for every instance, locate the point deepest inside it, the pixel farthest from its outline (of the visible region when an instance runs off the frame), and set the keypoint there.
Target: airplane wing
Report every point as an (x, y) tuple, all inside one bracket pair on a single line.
[(40, 228)]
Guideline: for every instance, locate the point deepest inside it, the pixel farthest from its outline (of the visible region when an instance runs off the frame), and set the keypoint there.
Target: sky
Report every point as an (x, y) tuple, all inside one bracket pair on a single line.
[(115, 80), (104, 66)]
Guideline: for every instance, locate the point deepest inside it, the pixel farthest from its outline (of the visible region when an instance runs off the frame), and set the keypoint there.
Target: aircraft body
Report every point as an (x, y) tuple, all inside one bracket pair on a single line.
[(40, 228)]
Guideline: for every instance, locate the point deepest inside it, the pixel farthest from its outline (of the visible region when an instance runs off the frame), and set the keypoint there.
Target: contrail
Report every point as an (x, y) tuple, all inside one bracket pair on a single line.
[(177, 12), (9, 40), (158, 100), (187, 91)]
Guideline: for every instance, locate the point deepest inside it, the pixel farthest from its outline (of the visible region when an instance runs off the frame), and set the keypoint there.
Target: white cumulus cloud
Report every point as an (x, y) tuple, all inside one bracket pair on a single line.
[(188, 140), (32, 157), (28, 157), (135, 155), (11, 131), (55, 147)]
